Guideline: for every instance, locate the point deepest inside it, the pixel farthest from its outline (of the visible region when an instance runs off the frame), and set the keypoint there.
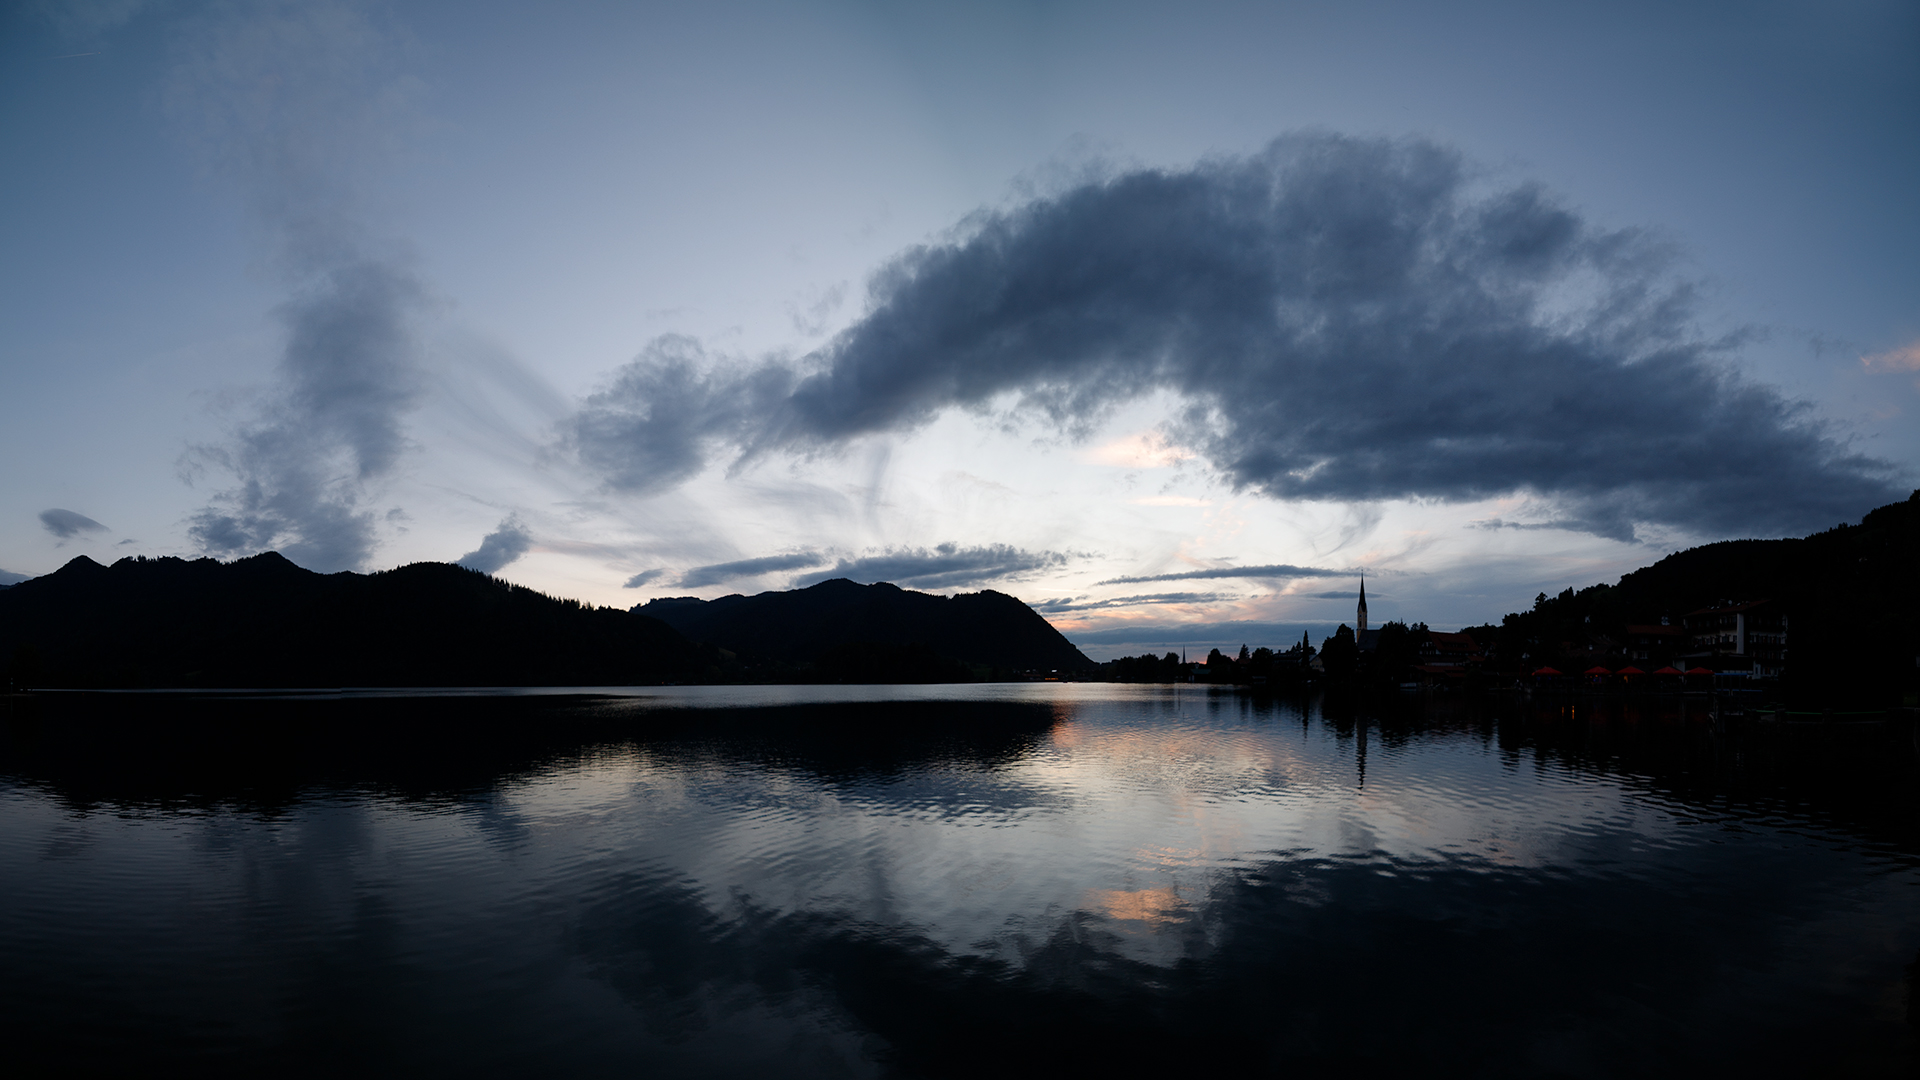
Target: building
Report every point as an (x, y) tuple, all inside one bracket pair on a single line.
[(1364, 639), (1446, 659), (1654, 646), (1449, 650), (1748, 635)]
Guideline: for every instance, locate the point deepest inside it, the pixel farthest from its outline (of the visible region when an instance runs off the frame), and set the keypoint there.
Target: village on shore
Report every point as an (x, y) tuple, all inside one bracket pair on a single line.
[(1740, 644)]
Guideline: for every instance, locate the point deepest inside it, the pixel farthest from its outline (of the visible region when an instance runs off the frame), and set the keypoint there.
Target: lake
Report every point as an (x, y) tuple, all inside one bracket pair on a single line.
[(952, 881)]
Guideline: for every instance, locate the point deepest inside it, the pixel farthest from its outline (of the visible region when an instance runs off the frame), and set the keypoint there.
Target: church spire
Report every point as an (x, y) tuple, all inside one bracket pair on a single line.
[(1361, 616)]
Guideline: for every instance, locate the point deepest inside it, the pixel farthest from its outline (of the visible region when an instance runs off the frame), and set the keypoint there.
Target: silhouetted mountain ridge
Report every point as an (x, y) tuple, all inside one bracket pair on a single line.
[(265, 622), (823, 623)]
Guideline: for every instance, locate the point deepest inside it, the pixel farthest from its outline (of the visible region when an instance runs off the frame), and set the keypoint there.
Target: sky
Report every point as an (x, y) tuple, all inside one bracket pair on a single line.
[(1172, 320)]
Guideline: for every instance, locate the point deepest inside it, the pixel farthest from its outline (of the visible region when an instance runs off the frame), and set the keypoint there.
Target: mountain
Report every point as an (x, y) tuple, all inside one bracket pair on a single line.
[(835, 622), (264, 622), (1851, 595)]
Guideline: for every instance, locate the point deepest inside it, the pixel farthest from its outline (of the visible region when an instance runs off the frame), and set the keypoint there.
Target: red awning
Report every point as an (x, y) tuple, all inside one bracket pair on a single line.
[(1631, 670), (1668, 670), (1546, 671), (1699, 671), (1596, 670)]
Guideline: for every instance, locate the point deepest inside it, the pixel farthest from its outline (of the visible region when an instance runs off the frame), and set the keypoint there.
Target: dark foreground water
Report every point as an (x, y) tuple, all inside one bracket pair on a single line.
[(966, 881)]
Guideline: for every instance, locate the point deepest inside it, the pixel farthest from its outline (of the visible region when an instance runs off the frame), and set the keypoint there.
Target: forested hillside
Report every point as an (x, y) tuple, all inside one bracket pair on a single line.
[(1852, 594)]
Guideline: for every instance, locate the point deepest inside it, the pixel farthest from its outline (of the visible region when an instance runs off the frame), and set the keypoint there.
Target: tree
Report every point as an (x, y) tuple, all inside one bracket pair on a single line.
[(1339, 655), (1395, 652)]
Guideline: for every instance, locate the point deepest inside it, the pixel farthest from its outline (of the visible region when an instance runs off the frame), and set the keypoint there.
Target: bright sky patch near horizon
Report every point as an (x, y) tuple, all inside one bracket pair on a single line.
[(1169, 319)]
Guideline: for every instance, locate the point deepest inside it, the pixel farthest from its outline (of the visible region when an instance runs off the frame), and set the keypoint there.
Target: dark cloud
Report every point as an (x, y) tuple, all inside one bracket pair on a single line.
[(8, 578), (499, 547), (947, 566), (669, 410), (349, 376), (1272, 570), (1338, 594), (643, 577), (1051, 607), (1345, 319), (713, 575), (66, 524)]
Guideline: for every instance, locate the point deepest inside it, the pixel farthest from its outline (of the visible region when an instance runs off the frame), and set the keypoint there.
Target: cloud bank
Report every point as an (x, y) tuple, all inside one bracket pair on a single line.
[(1272, 570), (1342, 318), (66, 524), (946, 566), (718, 572), (499, 547)]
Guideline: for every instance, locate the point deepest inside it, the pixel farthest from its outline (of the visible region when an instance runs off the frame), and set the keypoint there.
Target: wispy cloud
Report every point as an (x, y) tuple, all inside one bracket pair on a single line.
[(1905, 358), (499, 547), (1273, 635), (302, 468), (84, 19), (1272, 571), (1146, 450), (1344, 319), (946, 566), (66, 524), (717, 573), (294, 102), (645, 577), (1050, 607), (1495, 523), (1170, 500)]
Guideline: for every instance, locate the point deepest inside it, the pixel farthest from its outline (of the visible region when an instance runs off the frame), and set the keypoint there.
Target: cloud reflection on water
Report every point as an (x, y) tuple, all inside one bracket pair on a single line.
[(1116, 878)]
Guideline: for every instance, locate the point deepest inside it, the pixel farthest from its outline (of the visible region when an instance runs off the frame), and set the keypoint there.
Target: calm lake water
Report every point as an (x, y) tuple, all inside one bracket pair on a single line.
[(965, 881)]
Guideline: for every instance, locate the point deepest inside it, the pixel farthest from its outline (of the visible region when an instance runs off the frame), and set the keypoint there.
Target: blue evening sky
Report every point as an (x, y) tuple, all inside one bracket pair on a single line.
[(1168, 318)]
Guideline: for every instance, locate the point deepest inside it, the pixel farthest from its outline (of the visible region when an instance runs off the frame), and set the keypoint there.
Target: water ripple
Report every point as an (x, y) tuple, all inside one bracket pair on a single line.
[(695, 885)]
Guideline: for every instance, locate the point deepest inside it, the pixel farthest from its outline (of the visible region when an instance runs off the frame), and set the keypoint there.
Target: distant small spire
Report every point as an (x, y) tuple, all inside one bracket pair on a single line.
[(1361, 617)]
